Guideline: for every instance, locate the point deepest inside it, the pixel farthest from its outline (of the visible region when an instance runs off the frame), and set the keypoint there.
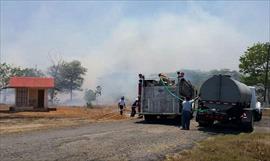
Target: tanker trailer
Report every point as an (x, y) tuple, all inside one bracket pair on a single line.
[(163, 98), (224, 99)]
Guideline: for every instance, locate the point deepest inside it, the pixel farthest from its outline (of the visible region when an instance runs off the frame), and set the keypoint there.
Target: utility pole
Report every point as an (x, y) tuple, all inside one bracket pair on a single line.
[(266, 85), (1, 33)]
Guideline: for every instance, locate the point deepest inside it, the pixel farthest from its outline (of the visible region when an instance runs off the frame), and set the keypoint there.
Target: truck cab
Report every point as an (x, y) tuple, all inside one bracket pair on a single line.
[(255, 105)]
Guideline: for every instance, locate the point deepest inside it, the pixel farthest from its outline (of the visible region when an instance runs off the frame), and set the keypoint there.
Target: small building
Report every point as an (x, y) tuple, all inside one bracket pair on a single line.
[(31, 93)]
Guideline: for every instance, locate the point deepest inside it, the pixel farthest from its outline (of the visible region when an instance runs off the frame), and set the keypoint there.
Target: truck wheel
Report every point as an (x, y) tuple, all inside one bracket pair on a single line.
[(178, 119), (149, 118), (249, 126), (258, 116), (146, 117), (206, 123)]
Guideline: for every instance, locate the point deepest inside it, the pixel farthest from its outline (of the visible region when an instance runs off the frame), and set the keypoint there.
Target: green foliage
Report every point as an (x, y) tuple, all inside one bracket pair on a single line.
[(253, 63), (70, 76), (32, 72), (260, 92), (54, 71), (98, 90), (5, 74), (7, 71), (89, 97)]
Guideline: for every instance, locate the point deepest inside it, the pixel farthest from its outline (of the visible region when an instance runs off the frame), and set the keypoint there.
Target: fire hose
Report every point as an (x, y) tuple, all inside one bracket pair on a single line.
[(177, 97), (170, 92)]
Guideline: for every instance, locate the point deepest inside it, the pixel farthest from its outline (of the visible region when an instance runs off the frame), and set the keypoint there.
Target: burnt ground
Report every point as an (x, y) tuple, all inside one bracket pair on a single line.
[(122, 140)]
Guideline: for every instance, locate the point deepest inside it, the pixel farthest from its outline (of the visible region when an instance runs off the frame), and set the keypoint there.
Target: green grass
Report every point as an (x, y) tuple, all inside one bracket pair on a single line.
[(242, 147)]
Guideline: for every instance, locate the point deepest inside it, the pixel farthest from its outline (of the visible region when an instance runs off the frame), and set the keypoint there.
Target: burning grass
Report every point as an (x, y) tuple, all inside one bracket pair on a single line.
[(248, 147), (63, 116)]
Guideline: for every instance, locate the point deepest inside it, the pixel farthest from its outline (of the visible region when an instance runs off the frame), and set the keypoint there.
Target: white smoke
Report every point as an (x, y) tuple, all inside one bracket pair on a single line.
[(166, 43), (119, 47)]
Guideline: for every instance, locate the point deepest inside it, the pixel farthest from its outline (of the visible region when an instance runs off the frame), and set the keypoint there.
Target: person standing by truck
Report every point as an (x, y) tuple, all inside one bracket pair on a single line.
[(187, 112), (133, 107), (122, 105)]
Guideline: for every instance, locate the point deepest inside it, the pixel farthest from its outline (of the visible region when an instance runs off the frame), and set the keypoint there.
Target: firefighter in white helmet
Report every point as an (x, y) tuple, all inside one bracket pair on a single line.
[(122, 105)]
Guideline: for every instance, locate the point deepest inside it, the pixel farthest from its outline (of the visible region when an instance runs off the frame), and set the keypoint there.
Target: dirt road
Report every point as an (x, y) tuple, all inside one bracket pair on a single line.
[(13, 122), (123, 140)]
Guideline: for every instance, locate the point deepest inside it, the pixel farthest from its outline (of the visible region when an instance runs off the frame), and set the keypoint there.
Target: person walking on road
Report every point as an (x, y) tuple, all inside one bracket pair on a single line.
[(187, 112), (122, 105)]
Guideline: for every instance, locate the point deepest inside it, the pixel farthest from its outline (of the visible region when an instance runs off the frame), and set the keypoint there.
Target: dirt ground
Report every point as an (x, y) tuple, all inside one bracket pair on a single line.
[(116, 141), (99, 134), (63, 116)]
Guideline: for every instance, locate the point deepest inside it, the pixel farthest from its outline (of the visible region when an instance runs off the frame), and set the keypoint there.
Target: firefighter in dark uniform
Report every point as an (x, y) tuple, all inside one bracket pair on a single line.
[(133, 108)]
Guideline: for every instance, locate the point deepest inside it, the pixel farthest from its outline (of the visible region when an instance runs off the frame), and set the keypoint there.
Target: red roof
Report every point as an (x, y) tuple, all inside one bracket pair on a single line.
[(31, 82)]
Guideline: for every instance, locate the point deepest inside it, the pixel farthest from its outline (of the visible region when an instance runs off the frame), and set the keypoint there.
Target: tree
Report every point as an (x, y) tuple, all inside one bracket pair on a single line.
[(4, 68), (234, 74), (260, 92), (7, 71), (89, 97), (54, 71), (253, 64), (98, 93), (71, 76), (32, 72)]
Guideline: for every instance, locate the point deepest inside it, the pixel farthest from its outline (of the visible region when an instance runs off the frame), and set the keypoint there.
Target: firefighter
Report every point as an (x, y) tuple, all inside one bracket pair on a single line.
[(122, 105), (187, 112), (133, 107)]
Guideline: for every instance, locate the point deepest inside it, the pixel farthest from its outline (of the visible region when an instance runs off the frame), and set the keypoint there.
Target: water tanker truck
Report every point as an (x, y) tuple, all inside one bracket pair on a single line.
[(163, 98), (224, 99)]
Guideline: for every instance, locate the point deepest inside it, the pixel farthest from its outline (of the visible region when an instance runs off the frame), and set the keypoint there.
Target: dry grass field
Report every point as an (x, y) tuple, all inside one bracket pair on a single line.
[(244, 146), (247, 147), (63, 116)]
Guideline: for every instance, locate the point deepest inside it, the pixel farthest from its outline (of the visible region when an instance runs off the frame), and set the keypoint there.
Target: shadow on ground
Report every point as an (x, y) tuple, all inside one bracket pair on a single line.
[(169, 122), (219, 128), (215, 129)]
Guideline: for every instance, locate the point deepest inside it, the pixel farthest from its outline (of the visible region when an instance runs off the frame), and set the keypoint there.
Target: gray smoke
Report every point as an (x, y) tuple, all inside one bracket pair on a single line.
[(127, 46)]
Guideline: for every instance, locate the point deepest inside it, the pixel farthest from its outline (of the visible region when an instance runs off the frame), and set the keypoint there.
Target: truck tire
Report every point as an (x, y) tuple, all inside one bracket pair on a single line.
[(206, 123), (257, 116), (149, 118), (249, 126), (178, 119)]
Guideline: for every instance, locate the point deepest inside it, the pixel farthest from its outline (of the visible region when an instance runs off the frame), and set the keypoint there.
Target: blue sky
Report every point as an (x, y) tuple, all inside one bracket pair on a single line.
[(132, 36)]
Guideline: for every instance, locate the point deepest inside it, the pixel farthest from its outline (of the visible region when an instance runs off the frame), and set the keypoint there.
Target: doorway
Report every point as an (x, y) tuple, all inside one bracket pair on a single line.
[(40, 98)]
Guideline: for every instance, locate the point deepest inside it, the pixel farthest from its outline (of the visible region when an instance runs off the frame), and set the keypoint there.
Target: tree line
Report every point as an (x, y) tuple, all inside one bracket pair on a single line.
[(68, 76)]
